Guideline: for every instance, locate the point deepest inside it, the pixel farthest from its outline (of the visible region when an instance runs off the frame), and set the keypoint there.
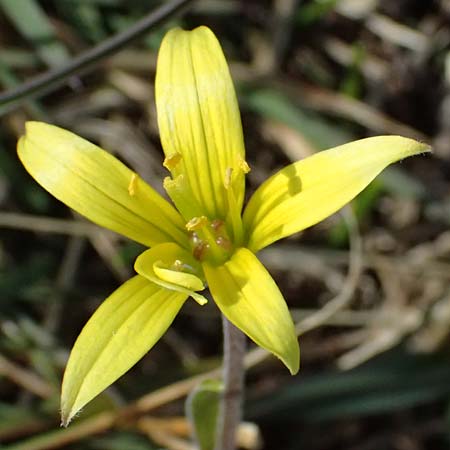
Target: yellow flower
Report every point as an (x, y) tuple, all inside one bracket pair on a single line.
[(205, 241)]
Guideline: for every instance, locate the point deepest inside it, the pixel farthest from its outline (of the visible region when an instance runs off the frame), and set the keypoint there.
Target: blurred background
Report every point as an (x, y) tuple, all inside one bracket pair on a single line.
[(368, 288)]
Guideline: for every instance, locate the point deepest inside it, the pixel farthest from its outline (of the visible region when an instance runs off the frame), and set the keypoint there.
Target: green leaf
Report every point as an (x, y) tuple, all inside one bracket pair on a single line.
[(276, 106), (18, 58), (392, 382), (314, 11), (86, 17), (8, 80), (400, 183), (122, 440), (33, 24), (12, 416), (202, 409)]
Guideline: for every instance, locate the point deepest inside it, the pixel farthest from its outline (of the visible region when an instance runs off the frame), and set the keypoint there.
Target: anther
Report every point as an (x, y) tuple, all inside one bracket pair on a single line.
[(171, 161), (178, 265), (132, 186), (244, 166), (196, 223)]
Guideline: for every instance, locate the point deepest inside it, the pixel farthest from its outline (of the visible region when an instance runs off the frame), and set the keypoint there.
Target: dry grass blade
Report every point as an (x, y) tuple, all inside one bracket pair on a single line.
[(39, 224), (25, 378)]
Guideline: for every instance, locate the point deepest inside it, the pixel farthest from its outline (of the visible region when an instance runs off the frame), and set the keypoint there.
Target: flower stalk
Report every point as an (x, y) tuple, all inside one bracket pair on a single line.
[(233, 379)]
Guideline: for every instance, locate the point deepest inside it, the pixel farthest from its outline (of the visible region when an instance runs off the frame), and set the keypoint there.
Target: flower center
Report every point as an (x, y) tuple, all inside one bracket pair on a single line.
[(209, 240)]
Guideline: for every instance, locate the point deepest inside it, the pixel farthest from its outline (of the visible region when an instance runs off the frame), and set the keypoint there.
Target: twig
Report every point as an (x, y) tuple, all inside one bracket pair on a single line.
[(345, 318), (58, 438), (48, 81), (397, 33), (158, 431), (28, 380), (42, 224)]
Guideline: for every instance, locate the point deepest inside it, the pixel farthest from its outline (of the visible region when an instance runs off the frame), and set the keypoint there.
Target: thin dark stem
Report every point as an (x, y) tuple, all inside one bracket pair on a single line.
[(47, 81), (233, 378)]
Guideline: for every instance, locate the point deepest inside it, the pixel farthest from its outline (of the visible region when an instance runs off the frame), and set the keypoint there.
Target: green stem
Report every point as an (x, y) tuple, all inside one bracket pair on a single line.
[(233, 378)]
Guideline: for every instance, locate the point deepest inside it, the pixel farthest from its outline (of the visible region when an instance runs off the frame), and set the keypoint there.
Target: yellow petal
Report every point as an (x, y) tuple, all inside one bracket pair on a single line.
[(308, 191), (199, 119), (247, 295), (172, 267), (97, 185), (125, 326)]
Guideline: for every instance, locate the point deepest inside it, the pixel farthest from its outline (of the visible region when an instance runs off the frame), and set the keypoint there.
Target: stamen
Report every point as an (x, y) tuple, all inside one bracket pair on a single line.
[(181, 194), (234, 213)]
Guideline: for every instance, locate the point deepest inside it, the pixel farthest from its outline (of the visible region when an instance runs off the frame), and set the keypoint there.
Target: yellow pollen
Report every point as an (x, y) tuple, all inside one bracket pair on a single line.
[(227, 180), (170, 162), (178, 265), (196, 223), (244, 166), (132, 187)]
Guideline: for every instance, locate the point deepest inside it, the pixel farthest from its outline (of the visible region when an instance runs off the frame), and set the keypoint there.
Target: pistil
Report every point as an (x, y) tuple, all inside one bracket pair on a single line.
[(209, 240)]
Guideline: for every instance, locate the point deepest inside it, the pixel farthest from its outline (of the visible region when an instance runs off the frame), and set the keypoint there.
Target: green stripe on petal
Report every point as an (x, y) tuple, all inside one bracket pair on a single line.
[(97, 185), (306, 192), (199, 119), (248, 296), (172, 267), (125, 327)]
